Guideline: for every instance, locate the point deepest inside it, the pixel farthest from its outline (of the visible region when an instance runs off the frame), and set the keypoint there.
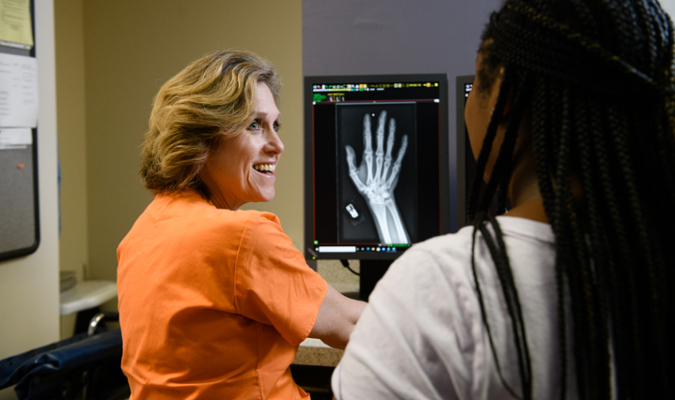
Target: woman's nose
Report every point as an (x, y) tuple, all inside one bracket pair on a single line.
[(274, 143)]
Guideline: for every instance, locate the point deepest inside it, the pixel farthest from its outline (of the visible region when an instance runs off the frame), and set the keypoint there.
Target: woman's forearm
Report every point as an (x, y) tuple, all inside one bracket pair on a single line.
[(337, 317)]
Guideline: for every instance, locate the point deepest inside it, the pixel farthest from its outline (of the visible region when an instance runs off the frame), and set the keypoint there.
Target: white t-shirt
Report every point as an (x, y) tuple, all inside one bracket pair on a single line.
[(422, 334)]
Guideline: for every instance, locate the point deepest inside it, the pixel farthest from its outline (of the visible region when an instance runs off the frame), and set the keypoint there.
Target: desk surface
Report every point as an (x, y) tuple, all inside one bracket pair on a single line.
[(316, 352), (87, 294)]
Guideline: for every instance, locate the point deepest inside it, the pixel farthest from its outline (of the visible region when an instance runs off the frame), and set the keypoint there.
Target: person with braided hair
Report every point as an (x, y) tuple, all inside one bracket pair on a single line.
[(567, 295)]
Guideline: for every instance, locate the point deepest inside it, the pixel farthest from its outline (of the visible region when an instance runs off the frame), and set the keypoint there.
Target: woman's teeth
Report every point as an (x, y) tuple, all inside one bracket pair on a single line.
[(265, 167)]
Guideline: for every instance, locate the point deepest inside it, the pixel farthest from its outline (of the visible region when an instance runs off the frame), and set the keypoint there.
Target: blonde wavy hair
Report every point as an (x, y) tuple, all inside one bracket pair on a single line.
[(210, 99)]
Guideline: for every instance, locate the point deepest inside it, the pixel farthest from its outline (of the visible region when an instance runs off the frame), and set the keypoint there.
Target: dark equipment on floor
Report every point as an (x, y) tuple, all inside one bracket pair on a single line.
[(83, 367)]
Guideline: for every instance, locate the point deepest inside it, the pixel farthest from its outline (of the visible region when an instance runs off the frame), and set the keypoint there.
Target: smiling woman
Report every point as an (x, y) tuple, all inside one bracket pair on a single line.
[(214, 300)]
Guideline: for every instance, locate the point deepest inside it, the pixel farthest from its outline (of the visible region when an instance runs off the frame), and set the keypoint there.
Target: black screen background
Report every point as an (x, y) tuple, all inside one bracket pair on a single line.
[(328, 157)]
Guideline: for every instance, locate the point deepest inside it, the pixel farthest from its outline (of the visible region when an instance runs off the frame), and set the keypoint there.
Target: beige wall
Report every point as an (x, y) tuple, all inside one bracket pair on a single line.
[(71, 112), (113, 57)]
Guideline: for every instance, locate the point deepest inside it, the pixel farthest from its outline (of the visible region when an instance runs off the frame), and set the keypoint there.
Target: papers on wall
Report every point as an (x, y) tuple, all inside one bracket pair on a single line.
[(15, 24), (18, 91), (15, 138)]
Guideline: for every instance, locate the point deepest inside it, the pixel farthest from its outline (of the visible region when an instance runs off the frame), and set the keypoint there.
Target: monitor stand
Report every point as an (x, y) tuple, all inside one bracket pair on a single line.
[(371, 272)]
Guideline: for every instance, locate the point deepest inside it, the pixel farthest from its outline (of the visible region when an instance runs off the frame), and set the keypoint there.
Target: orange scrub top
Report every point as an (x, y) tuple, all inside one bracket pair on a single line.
[(213, 303)]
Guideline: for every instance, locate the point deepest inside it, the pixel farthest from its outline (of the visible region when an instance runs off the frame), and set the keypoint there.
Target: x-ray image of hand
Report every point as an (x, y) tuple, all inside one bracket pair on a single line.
[(377, 180)]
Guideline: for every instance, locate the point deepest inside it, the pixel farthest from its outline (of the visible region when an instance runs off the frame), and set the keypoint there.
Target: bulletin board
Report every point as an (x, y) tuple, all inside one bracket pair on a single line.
[(19, 205)]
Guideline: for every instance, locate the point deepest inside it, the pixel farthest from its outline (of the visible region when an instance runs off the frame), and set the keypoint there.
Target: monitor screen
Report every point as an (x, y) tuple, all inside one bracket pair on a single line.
[(376, 164)]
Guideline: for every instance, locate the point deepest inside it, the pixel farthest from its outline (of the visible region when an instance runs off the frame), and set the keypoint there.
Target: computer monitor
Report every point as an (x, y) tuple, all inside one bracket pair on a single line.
[(376, 167)]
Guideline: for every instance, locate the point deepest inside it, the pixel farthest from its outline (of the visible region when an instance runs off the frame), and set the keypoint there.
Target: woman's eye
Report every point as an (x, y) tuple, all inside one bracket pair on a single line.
[(257, 125)]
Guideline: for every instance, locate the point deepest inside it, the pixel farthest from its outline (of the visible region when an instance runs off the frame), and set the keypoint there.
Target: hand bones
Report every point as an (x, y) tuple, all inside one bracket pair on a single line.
[(379, 182)]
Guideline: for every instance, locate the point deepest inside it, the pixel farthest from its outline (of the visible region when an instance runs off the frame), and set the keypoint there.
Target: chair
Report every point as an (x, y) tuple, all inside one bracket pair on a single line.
[(85, 366)]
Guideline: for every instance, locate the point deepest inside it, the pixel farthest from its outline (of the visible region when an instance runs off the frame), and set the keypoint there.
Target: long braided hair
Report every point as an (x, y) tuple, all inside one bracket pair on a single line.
[(596, 77)]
